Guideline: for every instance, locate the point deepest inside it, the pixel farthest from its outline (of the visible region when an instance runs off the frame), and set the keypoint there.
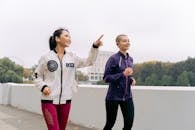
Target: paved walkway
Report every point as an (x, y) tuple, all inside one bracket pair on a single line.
[(16, 119)]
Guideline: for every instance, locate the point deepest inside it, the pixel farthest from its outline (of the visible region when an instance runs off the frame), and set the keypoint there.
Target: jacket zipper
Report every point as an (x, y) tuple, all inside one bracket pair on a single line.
[(60, 96), (126, 83)]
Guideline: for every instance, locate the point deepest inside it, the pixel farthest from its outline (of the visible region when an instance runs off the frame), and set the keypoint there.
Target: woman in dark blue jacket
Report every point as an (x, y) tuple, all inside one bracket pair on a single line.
[(118, 73)]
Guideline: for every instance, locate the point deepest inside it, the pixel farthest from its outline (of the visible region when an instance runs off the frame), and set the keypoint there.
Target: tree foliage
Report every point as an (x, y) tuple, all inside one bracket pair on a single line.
[(10, 72), (157, 73), (81, 76)]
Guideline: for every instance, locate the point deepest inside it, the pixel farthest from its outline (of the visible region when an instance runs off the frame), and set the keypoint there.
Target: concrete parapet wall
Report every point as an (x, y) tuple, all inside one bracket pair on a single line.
[(156, 108)]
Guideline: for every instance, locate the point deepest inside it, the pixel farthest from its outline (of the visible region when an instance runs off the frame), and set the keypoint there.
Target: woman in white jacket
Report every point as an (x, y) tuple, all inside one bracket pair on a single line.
[(55, 77)]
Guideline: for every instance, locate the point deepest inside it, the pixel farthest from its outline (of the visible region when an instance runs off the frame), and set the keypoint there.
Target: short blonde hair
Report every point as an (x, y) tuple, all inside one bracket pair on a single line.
[(118, 38)]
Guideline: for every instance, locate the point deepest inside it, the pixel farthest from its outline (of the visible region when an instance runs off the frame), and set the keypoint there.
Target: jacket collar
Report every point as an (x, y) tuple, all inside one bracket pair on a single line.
[(121, 54), (57, 52)]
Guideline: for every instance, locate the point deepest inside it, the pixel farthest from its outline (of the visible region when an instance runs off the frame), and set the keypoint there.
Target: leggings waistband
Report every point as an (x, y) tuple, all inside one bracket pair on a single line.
[(51, 101)]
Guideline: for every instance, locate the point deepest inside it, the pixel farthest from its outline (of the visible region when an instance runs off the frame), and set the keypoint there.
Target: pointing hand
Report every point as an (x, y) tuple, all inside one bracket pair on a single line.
[(98, 42)]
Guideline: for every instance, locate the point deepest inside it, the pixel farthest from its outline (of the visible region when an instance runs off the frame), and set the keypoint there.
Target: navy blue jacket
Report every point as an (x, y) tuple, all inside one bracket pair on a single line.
[(119, 85)]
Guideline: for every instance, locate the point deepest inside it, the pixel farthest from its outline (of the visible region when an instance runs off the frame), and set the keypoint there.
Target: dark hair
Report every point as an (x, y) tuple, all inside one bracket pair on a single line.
[(52, 40)]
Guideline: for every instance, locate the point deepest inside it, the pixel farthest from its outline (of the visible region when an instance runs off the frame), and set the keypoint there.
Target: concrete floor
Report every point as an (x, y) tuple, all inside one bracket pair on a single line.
[(15, 119)]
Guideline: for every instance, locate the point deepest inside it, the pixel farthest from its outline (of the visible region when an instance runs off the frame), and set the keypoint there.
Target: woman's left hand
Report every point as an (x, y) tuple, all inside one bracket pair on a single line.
[(133, 82), (98, 42)]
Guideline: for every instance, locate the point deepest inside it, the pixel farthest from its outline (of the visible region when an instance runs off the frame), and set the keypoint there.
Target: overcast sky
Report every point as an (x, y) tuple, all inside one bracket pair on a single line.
[(160, 30)]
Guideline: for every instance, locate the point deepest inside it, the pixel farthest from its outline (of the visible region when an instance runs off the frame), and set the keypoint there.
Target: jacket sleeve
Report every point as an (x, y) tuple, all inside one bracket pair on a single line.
[(39, 75), (109, 74), (84, 62)]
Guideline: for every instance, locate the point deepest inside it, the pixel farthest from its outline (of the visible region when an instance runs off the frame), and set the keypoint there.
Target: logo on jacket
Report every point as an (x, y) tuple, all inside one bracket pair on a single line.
[(52, 65), (69, 64)]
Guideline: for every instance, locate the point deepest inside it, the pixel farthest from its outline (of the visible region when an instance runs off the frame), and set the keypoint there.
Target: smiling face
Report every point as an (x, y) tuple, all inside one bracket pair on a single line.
[(123, 42), (64, 40)]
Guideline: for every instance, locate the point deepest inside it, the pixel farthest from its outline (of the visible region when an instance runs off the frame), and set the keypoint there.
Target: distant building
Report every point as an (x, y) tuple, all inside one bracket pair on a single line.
[(96, 71)]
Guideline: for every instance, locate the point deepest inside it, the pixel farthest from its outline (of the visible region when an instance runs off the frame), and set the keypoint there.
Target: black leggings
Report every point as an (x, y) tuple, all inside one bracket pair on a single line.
[(127, 108)]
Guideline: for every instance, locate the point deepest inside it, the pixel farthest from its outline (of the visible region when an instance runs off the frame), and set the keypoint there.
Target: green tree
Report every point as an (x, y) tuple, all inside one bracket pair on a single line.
[(191, 77), (152, 80), (81, 76), (146, 71), (190, 64), (139, 81), (10, 72), (166, 80), (182, 79)]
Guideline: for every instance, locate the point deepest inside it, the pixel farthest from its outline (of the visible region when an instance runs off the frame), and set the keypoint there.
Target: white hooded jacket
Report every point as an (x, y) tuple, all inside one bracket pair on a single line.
[(58, 75)]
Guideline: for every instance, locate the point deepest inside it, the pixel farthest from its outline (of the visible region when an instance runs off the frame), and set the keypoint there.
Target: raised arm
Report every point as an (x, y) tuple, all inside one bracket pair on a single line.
[(84, 62)]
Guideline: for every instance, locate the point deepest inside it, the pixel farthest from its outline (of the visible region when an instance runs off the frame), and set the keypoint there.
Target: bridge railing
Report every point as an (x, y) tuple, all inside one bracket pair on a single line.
[(156, 108)]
